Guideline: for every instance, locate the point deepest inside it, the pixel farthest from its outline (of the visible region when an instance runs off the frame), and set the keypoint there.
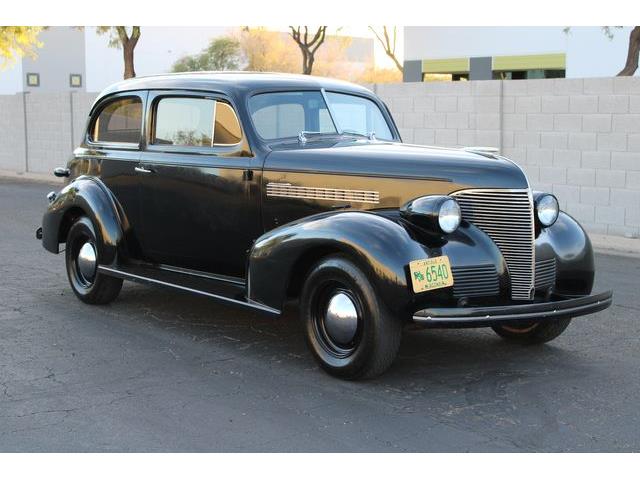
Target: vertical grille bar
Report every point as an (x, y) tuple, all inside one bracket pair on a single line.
[(545, 273), (507, 217)]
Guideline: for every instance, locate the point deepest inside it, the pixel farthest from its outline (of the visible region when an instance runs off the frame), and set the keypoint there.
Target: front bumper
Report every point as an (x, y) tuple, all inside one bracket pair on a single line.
[(561, 307)]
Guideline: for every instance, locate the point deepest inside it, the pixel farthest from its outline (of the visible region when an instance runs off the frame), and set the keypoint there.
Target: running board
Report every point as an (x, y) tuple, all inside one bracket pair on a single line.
[(217, 288)]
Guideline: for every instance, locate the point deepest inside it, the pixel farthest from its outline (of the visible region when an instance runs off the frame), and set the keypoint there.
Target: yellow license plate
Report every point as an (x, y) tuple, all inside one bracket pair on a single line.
[(431, 274)]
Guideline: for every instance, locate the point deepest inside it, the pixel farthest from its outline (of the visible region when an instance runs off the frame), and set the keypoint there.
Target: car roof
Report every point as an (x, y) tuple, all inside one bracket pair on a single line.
[(231, 82)]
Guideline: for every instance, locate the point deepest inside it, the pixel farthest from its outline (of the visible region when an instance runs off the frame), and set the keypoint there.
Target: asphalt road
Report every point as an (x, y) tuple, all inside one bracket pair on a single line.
[(164, 371)]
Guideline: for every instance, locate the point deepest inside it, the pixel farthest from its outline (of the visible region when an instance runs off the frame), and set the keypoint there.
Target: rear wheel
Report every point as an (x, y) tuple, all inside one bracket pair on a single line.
[(82, 259), (533, 333), (350, 332)]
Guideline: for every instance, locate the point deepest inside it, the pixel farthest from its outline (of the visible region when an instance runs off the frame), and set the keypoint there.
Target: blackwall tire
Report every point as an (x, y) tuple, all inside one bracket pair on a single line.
[(534, 333), (334, 292), (82, 256)]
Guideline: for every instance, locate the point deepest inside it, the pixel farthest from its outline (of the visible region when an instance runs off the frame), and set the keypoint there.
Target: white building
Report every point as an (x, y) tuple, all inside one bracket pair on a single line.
[(79, 59), (482, 53)]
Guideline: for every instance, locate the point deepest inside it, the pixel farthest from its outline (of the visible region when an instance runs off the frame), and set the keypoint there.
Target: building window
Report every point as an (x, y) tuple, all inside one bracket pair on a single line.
[(75, 80), (33, 79), (445, 77), (528, 74)]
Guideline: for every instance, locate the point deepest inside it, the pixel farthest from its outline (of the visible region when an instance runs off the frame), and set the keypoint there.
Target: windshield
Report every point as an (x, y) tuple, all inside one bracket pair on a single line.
[(285, 114)]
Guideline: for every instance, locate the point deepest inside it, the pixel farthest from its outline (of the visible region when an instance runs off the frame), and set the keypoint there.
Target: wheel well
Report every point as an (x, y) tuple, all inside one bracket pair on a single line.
[(68, 220), (303, 265)]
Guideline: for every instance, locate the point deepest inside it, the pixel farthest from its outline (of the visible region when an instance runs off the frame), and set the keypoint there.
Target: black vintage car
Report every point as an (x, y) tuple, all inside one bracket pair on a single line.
[(254, 189)]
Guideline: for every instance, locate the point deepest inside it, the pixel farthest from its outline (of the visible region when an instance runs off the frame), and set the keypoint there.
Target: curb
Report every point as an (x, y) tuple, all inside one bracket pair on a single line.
[(31, 177), (613, 245)]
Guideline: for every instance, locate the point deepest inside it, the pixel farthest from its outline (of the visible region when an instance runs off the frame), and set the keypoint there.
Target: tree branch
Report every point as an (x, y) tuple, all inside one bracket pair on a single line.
[(388, 46)]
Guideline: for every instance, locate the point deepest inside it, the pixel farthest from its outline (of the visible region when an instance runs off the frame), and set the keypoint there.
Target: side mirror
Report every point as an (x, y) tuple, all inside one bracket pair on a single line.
[(61, 172)]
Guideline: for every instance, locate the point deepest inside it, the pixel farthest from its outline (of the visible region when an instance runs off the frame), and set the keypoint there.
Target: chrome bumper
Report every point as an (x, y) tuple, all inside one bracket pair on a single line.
[(562, 307)]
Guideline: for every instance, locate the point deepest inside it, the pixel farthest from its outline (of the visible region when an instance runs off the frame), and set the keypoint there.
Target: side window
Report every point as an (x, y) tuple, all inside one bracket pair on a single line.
[(195, 122), (184, 121), (118, 122)]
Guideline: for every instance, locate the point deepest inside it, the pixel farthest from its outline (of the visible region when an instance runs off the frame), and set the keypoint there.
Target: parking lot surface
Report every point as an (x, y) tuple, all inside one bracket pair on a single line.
[(159, 370)]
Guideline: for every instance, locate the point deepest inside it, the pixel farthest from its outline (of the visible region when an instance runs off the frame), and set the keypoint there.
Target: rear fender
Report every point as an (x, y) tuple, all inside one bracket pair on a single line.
[(84, 196)]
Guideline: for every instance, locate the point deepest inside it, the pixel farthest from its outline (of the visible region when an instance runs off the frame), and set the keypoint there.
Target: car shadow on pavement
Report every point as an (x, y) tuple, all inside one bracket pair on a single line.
[(431, 356)]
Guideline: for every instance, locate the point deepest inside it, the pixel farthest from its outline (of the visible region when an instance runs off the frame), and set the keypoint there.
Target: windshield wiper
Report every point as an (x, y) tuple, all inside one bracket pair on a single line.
[(370, 135), (302, 135)]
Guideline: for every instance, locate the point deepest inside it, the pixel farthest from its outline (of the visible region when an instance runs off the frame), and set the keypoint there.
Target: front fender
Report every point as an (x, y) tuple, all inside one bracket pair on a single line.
[(570, 244), (91, 197), (382, 247)]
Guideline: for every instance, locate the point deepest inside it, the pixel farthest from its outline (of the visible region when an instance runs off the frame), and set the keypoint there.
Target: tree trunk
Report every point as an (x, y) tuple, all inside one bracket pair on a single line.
[(308, 48), (307, 63), (398, 64), (632, 56), (127, 51), (128, 44)]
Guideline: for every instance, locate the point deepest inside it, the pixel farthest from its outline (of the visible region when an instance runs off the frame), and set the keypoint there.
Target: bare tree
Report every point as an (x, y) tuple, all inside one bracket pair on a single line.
[(633, 51), (632, 55), (308, 47), (389, 44), (119, 37)]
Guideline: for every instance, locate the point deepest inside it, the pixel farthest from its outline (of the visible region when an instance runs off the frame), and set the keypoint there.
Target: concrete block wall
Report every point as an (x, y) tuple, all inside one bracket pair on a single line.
[(39, 131), (49, 139), (577, 138), (81, 104), (12, 133)]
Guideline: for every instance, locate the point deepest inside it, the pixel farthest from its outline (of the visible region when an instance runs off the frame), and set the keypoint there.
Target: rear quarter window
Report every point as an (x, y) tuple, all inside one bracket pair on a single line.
[(119, 121)]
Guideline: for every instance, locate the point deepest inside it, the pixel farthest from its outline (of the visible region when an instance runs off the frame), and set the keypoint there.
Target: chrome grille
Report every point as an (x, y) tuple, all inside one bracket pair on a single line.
[(545, 273), (507, 217), (475, 281), (286, 190)]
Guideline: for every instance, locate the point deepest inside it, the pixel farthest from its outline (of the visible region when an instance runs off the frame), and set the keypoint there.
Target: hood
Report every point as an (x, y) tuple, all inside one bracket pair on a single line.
[(398, 160)]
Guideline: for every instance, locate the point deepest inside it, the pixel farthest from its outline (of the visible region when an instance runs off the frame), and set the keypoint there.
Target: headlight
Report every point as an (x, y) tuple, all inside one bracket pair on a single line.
[(449, 216), (547, 209), (437, 213)]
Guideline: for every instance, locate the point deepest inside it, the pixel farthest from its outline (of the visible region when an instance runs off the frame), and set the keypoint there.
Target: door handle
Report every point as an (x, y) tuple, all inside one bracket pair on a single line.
[(143, 170)]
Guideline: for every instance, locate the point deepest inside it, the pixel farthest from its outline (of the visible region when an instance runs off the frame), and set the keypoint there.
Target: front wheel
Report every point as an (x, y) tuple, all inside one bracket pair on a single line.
[(82, 258), (349, 330), (533, 333)]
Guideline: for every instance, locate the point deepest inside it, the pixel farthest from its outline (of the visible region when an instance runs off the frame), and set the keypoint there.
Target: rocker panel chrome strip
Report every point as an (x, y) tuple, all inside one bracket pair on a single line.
[(139, 278)]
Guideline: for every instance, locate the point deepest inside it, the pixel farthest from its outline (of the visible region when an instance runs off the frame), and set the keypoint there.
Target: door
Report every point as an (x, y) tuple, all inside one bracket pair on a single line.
[(199, 194)]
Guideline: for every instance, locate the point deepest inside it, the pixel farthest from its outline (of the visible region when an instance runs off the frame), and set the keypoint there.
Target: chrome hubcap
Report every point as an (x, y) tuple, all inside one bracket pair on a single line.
[(87, 262), (341, 319)]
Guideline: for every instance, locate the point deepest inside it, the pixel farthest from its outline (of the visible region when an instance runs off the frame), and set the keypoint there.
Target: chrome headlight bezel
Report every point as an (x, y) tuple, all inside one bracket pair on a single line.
[(439, 214), (547, 209)]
